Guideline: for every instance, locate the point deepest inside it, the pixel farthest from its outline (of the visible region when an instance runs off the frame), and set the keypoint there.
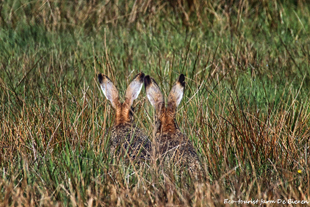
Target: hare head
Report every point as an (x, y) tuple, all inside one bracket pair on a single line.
[(125, 135), (172, 144), (165, 116), (123, 111)]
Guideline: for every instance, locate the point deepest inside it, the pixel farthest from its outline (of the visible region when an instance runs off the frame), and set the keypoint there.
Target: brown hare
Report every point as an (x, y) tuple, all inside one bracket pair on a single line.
[(126, 137), (172, 144)]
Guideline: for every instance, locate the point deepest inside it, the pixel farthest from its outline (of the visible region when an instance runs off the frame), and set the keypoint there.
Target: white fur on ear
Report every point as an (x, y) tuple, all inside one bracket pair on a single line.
[(176, 94), (108, 89), (153, 92), (177, 91), (133, 91), (151, 99)]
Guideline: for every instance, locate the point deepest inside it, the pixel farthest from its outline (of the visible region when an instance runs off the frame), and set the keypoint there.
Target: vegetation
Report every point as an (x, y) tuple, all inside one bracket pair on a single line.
[(246, 105)]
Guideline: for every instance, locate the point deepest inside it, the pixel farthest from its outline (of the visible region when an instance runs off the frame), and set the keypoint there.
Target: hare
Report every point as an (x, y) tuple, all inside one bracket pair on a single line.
[(172, 144), (126, 137)]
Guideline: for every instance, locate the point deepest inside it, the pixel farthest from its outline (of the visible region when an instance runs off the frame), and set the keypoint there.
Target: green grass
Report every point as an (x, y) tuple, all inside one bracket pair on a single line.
[(245, 109)]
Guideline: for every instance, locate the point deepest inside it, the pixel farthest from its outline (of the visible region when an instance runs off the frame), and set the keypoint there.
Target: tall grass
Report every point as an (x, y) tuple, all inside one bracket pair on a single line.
[(245, 109)]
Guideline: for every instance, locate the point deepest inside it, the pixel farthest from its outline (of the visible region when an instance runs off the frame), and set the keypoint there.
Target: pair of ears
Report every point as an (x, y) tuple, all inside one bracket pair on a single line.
[(156, 97), (153, 92)]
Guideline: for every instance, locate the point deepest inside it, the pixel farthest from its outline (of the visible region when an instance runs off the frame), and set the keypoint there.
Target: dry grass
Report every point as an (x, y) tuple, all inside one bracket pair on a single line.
[(246, 107)]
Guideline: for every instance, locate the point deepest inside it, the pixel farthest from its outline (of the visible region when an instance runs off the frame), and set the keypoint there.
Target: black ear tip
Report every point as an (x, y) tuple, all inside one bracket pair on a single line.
[(142, 76), (182, 80), (100, 78), (147, 81)]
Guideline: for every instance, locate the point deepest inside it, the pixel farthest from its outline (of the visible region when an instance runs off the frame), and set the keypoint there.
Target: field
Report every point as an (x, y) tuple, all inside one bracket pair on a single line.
[(246, 107)]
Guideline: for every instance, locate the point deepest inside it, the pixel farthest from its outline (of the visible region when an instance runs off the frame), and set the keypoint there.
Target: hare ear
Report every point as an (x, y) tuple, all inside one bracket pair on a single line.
[(176, 93), (153, 93), (134, 89), (109, 90)]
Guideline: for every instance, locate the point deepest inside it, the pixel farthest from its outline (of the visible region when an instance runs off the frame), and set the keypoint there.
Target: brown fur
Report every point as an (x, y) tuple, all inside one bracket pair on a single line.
[(126, 137), (172, 144), (122, 114), (166, 119)]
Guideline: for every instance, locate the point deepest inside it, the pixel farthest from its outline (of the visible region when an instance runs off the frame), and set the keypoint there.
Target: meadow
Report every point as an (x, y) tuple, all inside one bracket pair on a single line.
[(245, 107)]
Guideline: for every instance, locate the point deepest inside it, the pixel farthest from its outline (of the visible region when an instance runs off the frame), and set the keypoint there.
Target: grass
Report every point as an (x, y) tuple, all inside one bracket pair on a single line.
[(245, 109)]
